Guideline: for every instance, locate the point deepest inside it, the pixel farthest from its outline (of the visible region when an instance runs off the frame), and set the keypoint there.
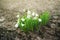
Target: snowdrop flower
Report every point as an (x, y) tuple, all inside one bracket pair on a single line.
[(17, 16), (36, 15), (33, 14), (23, 19), (16, 25), (28, 16), (39, 20), (22, 24), (28, 12)]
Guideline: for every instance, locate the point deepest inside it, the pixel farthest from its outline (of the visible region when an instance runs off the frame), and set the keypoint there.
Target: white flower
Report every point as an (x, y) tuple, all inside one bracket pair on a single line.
[(28, 12), (16, 25), (36, 15), (17, 16), (33, 14), (23, 19), (28, 16), (22, 24), (39, 20)]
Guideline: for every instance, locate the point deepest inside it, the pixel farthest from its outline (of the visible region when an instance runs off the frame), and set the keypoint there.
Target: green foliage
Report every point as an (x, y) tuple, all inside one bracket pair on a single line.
[(31, 23), (45, 18)]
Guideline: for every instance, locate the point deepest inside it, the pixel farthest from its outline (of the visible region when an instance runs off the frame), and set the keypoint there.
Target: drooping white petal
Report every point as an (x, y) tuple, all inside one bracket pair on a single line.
[(22, 19), (33, 14), (28, 16), (28, 12), (22, 24), (39, 20), (36, 15), (16, 25), (17, 16)]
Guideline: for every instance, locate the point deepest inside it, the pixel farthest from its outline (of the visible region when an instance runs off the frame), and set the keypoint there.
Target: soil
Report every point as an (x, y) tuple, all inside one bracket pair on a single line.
[(51, 31)]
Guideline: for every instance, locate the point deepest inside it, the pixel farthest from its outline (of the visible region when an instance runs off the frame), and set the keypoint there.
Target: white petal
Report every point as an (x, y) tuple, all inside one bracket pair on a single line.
[(28, 16), (33, 14), (23, 19), (36, 15), (2, 19), (17, 16), (22, 24), (16, 25), (28, 12), (39, 20)]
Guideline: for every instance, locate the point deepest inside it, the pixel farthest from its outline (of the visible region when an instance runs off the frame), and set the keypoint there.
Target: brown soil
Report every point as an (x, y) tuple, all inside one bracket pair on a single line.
[(51, 31)]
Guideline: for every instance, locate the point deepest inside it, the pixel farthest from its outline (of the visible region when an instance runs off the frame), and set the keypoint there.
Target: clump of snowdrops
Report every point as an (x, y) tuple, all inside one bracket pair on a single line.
[(32, 21)]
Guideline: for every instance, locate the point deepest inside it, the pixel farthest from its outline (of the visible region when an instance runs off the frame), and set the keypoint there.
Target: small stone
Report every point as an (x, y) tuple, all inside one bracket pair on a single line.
[(55, 17), (53, 25), (38, 38), (2, 19), (54, 21), (58, 21), (16, 38), (24, 10)]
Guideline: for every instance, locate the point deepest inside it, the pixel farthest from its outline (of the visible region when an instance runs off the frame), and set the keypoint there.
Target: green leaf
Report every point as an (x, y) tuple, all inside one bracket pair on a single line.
[(45, 18)]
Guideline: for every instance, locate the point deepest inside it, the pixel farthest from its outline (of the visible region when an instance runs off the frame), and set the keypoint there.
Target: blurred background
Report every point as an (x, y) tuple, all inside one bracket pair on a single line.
[(10, 8)]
